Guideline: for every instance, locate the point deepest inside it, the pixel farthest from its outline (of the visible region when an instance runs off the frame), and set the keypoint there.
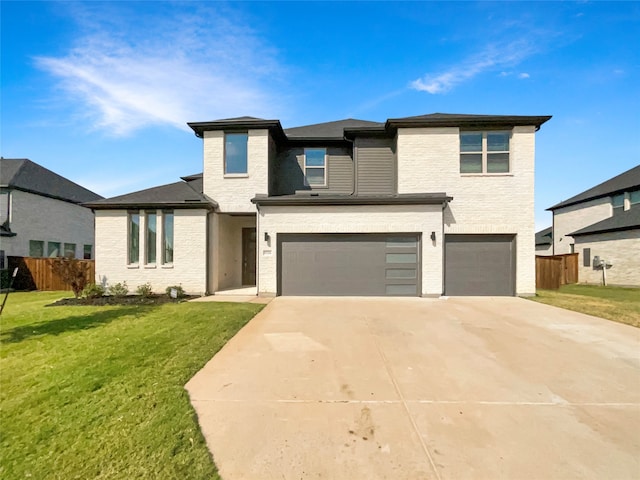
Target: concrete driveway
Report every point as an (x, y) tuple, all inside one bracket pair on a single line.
[(478, 388)]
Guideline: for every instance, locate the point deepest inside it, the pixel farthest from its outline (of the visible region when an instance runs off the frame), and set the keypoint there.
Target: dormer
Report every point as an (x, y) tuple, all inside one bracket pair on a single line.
[(238, 154)]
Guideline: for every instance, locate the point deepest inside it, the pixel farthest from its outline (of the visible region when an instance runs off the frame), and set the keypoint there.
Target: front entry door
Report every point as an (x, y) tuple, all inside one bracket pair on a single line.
[(248, 256)]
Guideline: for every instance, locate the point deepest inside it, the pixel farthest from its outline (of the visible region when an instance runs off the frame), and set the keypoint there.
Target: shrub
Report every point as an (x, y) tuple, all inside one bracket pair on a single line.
[(144, 290), (180, 293), (93, 290), (118, 289), (72, 272)]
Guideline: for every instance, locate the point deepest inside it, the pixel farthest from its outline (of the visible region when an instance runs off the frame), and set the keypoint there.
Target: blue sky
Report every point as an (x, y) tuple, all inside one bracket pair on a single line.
[(100, 92)]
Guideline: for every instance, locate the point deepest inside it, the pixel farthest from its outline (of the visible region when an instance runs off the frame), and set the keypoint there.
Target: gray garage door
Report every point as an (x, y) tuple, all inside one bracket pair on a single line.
[(354, 264), (479, 265)]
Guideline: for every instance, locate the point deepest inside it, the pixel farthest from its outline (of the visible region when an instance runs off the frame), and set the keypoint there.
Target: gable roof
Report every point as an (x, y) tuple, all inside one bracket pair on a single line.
[(185, 194), (620, 183), (329, 130), (627, 220), (544, 237), (23, 174)]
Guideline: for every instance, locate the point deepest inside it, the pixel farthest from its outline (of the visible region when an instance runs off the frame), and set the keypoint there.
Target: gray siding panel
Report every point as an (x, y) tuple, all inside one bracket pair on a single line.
[(289, 176), (480, 265), (375, 166)]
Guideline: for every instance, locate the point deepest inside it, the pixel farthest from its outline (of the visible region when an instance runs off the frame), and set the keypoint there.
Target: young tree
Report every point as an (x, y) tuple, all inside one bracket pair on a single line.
[(72, 271)]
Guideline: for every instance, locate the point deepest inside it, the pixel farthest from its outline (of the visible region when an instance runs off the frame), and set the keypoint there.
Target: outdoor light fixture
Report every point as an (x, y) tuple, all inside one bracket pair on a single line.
[(433, 236), (266, 237)]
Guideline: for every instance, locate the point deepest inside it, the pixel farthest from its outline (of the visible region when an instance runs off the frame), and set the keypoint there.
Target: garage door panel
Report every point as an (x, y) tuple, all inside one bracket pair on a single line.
[(479, 265), (348, 264)]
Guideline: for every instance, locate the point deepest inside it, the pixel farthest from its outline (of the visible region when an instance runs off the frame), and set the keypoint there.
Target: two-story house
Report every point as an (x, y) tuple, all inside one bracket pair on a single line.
[(41, 213), (418, 206), (603, 222)]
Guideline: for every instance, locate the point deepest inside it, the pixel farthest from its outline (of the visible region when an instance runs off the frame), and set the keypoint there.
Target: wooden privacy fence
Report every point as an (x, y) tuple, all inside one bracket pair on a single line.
[(36, 274), (553, 271)]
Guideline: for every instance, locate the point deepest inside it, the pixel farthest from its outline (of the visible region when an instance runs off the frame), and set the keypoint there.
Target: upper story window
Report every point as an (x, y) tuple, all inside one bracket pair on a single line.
[(235, 153), (4, 207), (36, 248), (484, 152), (315, 167), (634, 199), (617, 202), (70, 250)]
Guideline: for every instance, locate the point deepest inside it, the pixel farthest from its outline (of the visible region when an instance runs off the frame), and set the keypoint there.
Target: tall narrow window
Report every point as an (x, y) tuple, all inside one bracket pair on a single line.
[(88, 251), (167, 237), (134, 237), (4, 208), (235, 153), (151, 237), (315, 171)]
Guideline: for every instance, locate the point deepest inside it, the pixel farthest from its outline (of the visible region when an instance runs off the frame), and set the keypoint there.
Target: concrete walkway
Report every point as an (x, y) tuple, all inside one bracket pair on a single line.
[(459, 388)]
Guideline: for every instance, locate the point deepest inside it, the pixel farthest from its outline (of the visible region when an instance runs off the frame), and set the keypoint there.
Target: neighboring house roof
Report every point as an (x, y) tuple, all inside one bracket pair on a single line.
[(23, 174), (330, 199), (627, 220), (186, 194), (545, 237), (620, 183), (330, 130)]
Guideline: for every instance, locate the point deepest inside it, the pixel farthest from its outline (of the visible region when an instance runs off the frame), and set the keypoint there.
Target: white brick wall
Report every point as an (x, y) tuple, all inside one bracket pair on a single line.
[(229, 251), (34, 217), (429, 161), (570, 219), (189, 252), (351, 219), (620, 249), (233, 193)]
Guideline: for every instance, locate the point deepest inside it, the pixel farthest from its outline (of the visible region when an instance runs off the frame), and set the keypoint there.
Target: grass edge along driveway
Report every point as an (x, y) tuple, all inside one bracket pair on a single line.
[(619, 304), (97, 392)]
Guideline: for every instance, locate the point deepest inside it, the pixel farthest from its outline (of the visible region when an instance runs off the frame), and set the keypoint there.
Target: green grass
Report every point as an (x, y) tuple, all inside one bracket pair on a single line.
[(614, 303), (97, 392)]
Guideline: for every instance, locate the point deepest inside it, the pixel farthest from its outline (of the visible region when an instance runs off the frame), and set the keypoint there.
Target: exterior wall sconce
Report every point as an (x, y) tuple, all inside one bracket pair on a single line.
[(266, 237), (433, 236)]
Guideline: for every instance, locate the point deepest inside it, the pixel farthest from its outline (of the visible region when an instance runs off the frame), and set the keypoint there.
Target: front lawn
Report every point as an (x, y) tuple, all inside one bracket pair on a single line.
[(97, 392), (614, 303)]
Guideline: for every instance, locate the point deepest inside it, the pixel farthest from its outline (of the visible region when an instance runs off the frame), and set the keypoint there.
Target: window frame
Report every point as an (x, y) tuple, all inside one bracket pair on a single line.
[(33, 242), (84, 251), (130, 237), (150, 244), (246, 160), (165, 215), (49, 245), (64, 249), (633, 202), (617, 209), (324, 167), (485, 152)]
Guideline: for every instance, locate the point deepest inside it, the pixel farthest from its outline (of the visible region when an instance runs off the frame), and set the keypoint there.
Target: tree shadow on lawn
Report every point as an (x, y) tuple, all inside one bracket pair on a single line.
[(68, 324)]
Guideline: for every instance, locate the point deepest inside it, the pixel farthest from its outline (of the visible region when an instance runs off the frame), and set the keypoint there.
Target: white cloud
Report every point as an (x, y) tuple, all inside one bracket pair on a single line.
[(492, 58), (523, 75), (130, 71)]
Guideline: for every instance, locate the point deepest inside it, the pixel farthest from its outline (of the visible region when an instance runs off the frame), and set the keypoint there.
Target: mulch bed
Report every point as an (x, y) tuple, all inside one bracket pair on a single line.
[(127, 300)]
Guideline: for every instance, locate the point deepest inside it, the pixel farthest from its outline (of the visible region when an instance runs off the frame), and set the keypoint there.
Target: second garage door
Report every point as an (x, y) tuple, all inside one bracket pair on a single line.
[(479, 265), (349, 264)]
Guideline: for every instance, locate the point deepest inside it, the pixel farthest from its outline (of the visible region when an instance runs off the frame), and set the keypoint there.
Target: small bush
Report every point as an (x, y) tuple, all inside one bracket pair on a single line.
[(72, 271), (118, 289), (144, 290), (93, 290), (180, 293)]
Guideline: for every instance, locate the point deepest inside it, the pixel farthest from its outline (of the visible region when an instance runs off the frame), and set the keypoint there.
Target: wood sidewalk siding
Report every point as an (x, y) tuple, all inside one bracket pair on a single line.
[(556, 270), (37, 274)]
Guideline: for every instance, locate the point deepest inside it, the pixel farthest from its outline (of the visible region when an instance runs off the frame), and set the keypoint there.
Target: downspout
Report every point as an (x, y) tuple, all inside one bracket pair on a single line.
[(355, 161), (258, 240), (207, 258)]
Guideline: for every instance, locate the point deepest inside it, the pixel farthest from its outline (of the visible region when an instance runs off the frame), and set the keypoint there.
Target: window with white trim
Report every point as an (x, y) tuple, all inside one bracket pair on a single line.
[(484, 152), (133, 242), (315, 167), (617, 202), (236, 153)]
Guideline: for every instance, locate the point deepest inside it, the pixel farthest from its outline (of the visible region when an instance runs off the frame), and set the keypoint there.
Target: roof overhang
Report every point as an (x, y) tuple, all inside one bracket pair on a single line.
[(239, 125), (154, 205), (471, 121), (310, 200)]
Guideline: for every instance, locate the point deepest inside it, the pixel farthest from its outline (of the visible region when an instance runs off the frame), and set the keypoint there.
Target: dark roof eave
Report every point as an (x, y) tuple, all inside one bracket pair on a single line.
[(41, 194), (274, 125), (158, 205), (604, 230), (434, 199), (479, 122)]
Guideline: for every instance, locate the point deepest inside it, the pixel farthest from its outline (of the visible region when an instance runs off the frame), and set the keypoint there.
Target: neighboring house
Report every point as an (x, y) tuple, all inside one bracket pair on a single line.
[(544, 241), (603, 222), (41, 213), (417, 206)]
